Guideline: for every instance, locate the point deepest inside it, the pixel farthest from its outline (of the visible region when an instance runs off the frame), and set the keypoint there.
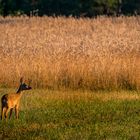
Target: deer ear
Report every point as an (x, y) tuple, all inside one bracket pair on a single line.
[(21, 80)]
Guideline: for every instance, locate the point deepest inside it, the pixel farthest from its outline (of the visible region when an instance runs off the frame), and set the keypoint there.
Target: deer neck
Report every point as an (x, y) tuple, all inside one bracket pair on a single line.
[(19, 94), (19, 91)]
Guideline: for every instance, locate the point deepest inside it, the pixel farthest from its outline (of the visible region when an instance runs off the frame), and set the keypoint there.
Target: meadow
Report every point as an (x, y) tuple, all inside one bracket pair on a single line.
[(77, 115), (102, 53), (84, 73)]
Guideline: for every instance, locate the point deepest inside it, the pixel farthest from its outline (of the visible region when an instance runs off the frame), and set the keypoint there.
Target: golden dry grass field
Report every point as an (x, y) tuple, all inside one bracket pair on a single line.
[(102, 53)]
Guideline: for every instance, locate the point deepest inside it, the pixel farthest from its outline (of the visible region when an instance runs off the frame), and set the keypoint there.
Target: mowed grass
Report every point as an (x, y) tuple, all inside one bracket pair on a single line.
[(75, 115)]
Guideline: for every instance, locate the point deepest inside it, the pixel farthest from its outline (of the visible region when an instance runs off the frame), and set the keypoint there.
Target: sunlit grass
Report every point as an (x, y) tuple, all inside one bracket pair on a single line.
[(61, 52)]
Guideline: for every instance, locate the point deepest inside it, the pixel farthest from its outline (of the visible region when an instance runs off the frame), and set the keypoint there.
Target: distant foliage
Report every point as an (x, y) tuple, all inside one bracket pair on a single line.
[(76, 8)]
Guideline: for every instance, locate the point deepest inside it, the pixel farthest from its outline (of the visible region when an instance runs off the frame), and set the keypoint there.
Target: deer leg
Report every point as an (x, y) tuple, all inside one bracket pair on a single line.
[(6, 113), (11, 110), (3, 111), (16, 111)]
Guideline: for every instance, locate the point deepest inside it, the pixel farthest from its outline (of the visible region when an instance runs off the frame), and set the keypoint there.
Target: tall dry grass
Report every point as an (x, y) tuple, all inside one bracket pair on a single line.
[(102, 53)]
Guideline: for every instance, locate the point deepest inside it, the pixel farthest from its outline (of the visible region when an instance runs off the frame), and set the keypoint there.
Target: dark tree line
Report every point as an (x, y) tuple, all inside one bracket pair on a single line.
[(76, 8)]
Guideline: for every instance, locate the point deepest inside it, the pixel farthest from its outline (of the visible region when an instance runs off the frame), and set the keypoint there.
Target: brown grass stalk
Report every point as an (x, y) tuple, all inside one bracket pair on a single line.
[(102, 53)]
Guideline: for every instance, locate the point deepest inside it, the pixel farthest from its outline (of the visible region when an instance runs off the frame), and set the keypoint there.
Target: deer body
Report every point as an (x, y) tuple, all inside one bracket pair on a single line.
[(12, 100)]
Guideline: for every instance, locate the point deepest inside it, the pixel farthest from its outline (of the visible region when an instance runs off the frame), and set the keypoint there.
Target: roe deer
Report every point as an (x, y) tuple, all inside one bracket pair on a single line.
[(12, 100)]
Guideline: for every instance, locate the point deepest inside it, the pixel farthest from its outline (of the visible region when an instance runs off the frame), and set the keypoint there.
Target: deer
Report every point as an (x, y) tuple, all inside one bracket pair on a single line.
[(12, 101)]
